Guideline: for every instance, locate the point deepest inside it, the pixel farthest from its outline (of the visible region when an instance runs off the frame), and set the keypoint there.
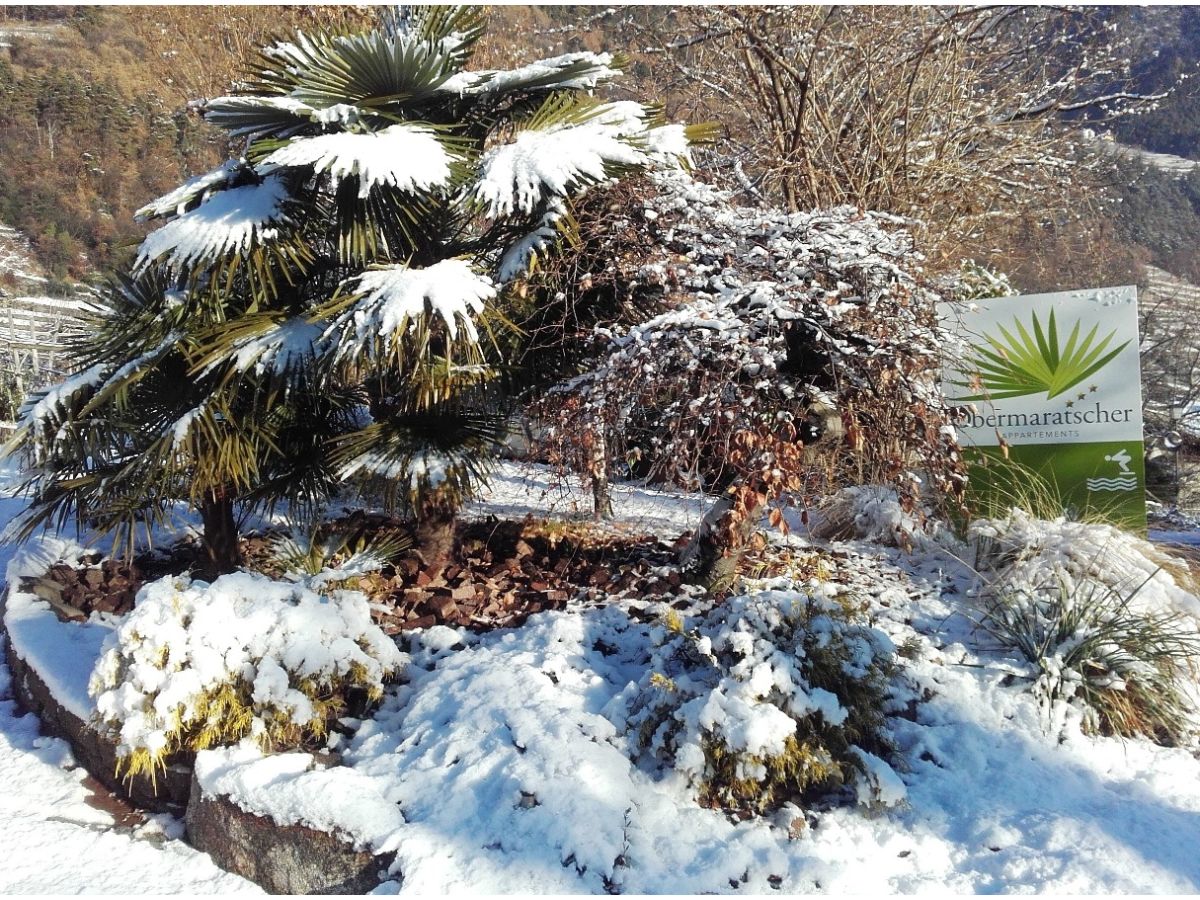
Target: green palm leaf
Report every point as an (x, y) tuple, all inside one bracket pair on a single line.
[(1029, 360)]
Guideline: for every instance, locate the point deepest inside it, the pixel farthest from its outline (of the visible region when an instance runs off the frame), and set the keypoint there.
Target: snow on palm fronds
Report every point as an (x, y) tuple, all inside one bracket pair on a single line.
[(568, 142), (287, 344), (410, 158), (320, 556), (229, 221), (393, 299), (582, 70), (198, 665), (177, 201), (329, 287), (770, 698)]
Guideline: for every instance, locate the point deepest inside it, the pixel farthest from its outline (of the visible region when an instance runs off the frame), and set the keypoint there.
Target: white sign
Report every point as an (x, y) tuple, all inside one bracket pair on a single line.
[(1050, 385), (1047, 368)]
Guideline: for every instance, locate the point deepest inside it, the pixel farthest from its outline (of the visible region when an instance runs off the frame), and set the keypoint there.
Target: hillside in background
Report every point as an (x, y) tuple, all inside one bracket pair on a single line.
[(1169, 49), (94, 118), (94, 121)]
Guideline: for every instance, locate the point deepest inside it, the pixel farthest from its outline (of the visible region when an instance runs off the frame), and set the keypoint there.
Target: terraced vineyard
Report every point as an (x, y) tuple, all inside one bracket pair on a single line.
[(1170, 312), (34, 327)]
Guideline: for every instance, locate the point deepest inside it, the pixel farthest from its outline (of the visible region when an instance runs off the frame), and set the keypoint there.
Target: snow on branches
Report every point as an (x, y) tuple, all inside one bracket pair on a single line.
[(789, 332)]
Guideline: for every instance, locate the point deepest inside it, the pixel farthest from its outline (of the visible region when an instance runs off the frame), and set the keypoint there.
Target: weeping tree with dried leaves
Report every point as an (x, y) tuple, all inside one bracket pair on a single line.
[(329, 308), (799, 354)]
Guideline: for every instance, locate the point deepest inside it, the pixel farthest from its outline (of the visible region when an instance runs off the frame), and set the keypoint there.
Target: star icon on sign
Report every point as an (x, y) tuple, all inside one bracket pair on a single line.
[(1081, 396), (1070, 403), (1092, 389)]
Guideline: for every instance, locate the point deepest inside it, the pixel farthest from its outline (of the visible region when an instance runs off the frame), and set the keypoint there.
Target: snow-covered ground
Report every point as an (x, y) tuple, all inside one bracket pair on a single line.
[(501, 766)]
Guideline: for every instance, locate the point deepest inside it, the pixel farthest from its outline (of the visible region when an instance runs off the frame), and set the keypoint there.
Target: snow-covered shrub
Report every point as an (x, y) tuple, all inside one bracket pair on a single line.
[(1126, 671), (197, 665), (799, 329), (772, 697), (975, 281), (867, 512), (1020, 548)]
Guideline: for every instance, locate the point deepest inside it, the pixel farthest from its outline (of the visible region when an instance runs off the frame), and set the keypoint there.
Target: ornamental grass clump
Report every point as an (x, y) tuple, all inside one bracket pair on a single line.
[(774, 697), (198, 665), (1125, 670)]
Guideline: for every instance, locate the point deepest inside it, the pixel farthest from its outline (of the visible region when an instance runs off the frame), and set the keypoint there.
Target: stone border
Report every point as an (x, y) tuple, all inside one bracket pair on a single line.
[(281, 859)]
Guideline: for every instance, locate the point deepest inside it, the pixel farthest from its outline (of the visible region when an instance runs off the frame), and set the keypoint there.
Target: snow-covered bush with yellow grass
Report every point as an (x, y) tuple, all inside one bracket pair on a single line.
[(197, 665), (773, 697)]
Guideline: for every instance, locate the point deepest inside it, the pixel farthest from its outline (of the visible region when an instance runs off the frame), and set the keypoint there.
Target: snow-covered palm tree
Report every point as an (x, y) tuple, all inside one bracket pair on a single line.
[(327, 306)]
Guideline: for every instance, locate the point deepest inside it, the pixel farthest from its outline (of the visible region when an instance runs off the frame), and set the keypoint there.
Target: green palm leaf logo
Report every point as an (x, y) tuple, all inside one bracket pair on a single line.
[(1025, 363)]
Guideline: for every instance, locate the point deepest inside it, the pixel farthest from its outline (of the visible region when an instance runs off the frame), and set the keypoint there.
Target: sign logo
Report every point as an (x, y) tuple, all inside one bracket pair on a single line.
[(1023, 363)]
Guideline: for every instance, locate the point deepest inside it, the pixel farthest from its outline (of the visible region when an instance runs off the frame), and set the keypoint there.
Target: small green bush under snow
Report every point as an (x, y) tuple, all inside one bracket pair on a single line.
[(772, 697), (196, 665)]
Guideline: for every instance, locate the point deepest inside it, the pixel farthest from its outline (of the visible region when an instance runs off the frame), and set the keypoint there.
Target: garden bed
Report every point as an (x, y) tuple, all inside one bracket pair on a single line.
[(512, 759), (500, 573), (47, 651)]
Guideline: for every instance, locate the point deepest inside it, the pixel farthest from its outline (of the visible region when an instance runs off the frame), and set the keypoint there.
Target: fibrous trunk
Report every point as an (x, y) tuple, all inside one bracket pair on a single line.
[(220, 533), (436, 518)]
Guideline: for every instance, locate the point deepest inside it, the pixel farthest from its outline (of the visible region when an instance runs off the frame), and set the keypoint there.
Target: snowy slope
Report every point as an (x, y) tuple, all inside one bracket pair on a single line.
[(1164, 162)]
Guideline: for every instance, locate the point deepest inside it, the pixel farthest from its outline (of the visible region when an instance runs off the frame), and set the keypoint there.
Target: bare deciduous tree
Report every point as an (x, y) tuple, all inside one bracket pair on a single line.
[(956, 116)]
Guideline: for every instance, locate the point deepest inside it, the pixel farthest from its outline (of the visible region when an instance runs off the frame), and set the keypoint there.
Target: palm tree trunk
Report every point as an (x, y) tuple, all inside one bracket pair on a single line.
[(436, 519), (220, 533)]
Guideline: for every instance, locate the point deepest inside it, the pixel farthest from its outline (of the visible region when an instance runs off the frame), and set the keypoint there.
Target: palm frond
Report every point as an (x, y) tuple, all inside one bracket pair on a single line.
[(454, 29), (1023, 363), (446, 449), (370, 70)]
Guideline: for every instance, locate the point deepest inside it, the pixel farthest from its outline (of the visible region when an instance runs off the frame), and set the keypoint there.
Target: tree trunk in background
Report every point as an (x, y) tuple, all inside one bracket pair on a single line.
[(711, 558), (220, 533), (598, 470), (601, 498)]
